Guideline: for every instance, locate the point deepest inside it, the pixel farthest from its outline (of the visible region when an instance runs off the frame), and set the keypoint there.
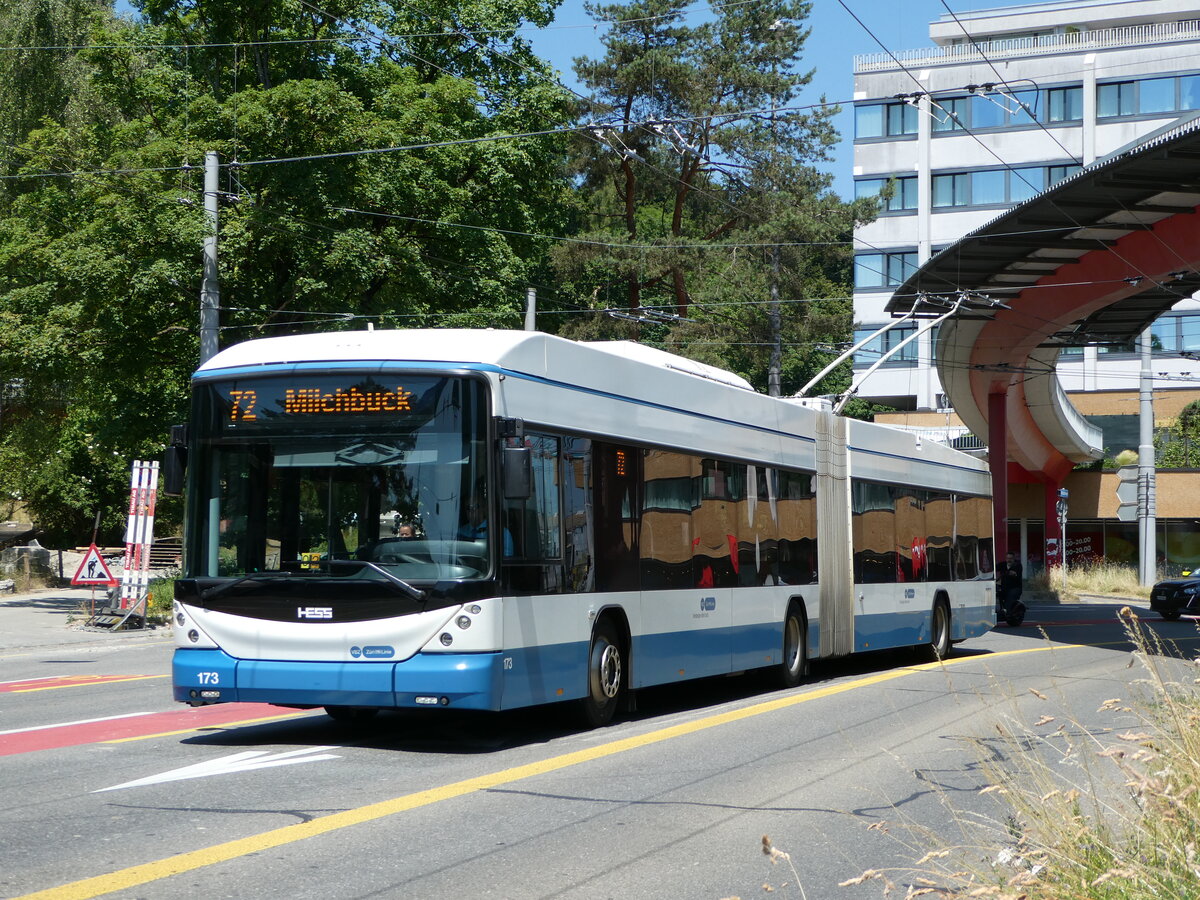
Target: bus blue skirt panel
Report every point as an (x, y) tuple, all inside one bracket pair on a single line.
[(460, 680), (880, 631)]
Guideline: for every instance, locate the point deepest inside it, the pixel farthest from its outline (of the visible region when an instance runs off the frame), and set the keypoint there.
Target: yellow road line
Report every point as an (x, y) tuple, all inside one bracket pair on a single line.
[(197, 859), (101, 679)]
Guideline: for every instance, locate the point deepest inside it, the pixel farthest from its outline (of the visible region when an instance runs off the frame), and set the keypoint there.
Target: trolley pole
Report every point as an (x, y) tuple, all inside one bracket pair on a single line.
[(210, 290)]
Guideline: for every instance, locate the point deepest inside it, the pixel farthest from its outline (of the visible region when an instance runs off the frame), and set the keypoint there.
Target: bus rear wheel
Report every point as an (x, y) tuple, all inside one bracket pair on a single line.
[(939, 631), (606, 676), (794, 666)]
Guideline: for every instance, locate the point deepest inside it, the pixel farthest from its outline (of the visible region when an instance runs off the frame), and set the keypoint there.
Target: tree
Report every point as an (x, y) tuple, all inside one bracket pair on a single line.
[(100, 236), (699, 189)]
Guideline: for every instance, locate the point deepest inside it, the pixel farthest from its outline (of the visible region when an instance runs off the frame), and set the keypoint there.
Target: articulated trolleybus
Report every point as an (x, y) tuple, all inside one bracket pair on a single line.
[(495, 519)]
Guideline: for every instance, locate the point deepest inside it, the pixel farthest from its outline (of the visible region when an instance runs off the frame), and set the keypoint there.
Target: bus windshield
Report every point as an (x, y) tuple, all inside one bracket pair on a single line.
[(340, 474)]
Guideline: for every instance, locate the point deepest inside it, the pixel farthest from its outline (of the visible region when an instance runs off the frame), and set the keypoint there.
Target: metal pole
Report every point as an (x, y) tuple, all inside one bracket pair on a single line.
[(210, 291), (1147, 550), (1062, 527), (531, 309)]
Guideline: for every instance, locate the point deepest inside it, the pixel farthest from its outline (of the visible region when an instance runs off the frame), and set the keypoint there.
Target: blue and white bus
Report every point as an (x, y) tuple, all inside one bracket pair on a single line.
[(495, 519)]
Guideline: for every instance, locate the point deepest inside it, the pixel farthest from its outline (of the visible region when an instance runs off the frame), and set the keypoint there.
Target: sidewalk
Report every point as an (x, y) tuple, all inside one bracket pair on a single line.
[(54, 617)]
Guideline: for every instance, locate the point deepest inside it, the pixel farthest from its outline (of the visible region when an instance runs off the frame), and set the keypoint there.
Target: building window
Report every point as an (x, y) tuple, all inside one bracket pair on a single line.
[(952, 190), (869, 354), (995, 187), (1064, 104), (904, 193), (1055, 174), (1116, 99), (1176, 333), (876, 271), (1189, 92), (989, 188), (1147, 96), (875, 120), (953, 115), (986, 113), (1156, 95), (1025, 182)]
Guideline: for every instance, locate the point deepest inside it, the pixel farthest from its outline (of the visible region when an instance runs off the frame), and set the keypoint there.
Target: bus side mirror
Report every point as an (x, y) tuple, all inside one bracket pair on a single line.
[(517, 473), (174, 465)]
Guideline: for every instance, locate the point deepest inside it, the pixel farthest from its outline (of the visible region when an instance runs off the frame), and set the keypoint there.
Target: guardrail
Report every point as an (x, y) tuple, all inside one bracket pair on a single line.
[(1100, 39), (957, 436)]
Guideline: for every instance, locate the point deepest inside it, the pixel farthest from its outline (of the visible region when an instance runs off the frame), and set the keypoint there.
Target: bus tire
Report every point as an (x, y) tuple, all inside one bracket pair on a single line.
[(606, 676), (351, 714), (939, 630), (793, 667)]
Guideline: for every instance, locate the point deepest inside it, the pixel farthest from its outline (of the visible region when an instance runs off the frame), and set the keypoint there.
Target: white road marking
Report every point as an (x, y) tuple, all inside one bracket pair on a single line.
[(80, 722), (227, 765)]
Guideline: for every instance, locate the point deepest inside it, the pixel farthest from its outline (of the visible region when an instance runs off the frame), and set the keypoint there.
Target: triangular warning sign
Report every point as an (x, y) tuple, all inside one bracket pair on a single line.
[(93, 570)]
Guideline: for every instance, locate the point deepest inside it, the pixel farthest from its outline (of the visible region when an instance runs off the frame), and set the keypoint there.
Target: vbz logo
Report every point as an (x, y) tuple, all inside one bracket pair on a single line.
[(708, 604), (314, 612)]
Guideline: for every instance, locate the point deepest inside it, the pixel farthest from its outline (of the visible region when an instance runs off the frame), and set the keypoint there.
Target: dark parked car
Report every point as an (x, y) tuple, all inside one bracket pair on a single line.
[(1171, 599)]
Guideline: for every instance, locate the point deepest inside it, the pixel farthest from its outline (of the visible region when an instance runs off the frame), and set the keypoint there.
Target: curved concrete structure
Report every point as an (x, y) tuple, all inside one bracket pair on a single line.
[(1094, 260)]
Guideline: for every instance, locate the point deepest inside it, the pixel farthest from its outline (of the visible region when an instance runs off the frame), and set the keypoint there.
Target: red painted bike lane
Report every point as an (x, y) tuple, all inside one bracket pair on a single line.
[(140, 725)]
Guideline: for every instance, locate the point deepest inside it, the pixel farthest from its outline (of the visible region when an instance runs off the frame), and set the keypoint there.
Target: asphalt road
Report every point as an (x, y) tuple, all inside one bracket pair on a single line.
[(107, 788)]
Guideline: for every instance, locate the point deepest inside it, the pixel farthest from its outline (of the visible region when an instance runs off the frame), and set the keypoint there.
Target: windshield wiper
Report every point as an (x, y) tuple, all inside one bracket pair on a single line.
[(218, 590), (399, 583)]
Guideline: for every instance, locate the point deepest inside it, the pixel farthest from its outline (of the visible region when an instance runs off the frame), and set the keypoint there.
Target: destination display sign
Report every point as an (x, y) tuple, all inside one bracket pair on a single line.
[(315, 401), (265, 402)]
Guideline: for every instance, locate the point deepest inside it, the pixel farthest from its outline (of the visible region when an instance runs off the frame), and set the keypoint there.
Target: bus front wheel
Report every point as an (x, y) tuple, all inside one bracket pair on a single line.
[(606, 676), (354, 715)]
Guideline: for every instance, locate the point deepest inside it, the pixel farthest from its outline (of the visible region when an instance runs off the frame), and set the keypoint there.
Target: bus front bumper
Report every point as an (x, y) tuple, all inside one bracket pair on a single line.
[(454, 680)]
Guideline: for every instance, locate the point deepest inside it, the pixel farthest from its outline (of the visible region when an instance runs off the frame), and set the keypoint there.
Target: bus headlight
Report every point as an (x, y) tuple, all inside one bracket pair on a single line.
[(447, 639), (463, 622), (194, 636)]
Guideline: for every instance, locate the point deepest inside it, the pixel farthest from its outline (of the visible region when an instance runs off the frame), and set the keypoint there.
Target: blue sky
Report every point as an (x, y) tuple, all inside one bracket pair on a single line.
[(836, 38)]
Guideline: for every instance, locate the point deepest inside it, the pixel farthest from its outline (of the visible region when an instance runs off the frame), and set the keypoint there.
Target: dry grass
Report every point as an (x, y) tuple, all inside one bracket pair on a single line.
[(1103, 579), (1122, 822)]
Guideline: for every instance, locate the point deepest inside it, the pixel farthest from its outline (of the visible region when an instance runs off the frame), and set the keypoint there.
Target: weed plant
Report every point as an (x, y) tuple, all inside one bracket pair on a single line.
[(161, 600), (1101, 578), (1124, 826)]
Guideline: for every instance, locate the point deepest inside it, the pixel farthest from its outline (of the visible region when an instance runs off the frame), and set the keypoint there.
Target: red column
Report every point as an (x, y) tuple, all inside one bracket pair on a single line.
[(998, 462), (1054, 549)]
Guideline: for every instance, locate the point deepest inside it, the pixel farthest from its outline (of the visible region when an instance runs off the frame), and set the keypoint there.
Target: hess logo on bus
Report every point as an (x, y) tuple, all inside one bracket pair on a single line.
[(314, 612)]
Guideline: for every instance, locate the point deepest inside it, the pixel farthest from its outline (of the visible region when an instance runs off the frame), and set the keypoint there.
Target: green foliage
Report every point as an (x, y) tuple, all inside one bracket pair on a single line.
[(160, 600), (698, 195), (100, 268), (1178, 447)]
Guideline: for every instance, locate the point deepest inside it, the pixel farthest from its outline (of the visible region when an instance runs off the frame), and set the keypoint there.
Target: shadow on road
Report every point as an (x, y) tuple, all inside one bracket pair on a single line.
[(466, 732)]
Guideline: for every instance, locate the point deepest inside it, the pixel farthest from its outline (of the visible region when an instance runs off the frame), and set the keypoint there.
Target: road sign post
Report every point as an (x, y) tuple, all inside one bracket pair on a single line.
[(1127, 493), (93, 570)]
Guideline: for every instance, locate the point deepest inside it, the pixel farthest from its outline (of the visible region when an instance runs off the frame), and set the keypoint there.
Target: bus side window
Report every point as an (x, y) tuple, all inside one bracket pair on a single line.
[(534, 523)]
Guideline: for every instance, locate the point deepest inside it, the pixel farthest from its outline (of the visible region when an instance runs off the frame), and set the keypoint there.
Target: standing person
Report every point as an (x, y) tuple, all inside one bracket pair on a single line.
[(1010, 587)]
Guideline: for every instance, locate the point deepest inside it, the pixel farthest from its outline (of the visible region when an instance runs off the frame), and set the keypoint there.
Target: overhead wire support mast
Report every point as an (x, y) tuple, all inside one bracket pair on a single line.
[(210, 291)]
